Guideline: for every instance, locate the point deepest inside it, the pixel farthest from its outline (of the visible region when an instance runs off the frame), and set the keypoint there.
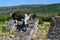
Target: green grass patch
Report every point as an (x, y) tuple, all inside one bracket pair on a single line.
[(3, 29), (44, 26), (3, 22), (2, 26)]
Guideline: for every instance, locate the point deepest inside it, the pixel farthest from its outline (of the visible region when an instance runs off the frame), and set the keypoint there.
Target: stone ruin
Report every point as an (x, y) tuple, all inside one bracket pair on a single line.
[(21, 35), (54, 30)]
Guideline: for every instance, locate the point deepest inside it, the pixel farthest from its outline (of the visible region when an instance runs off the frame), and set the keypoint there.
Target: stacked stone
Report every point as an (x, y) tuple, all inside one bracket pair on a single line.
[(54, 30), (29, 33), (21, 34)]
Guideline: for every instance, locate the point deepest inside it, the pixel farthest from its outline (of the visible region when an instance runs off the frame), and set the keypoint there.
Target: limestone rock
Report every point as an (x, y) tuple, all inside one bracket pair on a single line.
[(54, 30)]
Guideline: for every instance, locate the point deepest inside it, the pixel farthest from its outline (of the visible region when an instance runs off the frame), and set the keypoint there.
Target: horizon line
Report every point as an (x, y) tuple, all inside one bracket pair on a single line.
[(28, 4)]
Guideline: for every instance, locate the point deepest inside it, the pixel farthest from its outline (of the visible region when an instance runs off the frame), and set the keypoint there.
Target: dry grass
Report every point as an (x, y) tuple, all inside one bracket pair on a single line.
[(41, 34)]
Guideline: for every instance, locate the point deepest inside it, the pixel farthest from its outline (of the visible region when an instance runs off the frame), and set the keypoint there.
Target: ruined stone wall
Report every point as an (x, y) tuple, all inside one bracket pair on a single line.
[(54, 30), (21, 35)]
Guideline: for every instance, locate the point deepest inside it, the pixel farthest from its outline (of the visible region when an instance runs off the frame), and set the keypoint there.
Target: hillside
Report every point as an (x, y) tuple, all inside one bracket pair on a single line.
[(34, 8)]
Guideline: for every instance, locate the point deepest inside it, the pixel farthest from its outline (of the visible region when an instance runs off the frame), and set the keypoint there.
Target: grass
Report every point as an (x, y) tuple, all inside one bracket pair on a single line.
[(12, 33), (41, 34), (3, 27), (44, 26)]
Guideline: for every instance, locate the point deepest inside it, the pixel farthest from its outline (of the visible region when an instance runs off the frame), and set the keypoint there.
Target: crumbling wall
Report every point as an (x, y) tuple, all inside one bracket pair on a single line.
[(54, 30), (21, 34)]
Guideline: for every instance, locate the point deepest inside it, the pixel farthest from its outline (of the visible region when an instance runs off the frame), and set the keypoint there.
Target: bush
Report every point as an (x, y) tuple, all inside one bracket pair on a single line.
[(44, 18), (40, 21), (5, 17), (4, 29)]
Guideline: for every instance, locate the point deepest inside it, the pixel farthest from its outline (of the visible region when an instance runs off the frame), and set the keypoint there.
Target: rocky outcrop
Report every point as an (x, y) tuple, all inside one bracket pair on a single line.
[(21, 34), (54, 30)]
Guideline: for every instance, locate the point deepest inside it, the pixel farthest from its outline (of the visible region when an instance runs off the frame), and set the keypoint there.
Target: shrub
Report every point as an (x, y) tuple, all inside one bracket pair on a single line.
[(4, 29), (5, 17), (40, 21)]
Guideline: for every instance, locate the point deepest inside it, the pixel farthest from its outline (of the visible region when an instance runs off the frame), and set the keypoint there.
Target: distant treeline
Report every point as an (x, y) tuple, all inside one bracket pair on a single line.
[(42, 16), (36, 8), (45, 12)]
